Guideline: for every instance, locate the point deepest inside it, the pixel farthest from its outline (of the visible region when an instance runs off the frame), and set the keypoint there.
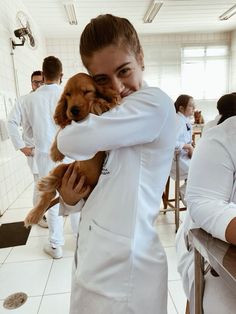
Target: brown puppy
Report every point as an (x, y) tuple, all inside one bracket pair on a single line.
[(198, 117), (80, 97)]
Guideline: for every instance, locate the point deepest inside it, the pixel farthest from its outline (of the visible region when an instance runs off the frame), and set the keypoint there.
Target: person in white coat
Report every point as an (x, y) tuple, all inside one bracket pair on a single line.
[(120, 265), (23, 141), (39, 110), (184, 106), (226, 106), (211, 200)]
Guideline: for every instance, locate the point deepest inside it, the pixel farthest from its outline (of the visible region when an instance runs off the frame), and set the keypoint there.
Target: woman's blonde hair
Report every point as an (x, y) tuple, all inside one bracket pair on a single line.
[(106, 30)]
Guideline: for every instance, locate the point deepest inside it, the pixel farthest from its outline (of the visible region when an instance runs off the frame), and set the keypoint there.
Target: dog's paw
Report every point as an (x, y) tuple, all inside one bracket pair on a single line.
[(33, 217)]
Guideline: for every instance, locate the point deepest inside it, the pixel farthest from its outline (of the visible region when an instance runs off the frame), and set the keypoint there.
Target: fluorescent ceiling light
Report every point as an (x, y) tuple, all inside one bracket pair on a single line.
[(228, 13), (152, 11), (70, 9)]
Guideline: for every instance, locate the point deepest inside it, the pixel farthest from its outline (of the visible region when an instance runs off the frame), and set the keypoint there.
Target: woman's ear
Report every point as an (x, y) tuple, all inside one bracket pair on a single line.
[(61, 78), (182, 109), (141, 59)]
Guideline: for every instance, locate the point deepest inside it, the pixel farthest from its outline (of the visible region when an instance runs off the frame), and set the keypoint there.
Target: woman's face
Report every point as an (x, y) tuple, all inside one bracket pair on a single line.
[(189, 110), (117, 68)]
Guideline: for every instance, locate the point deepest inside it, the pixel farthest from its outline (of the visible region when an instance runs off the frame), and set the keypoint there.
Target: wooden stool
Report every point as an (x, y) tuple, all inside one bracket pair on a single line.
[(173, 204)]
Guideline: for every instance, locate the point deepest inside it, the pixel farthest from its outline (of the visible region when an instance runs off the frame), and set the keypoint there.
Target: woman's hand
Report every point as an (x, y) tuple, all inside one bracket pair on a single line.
[(27, 151), (72, 190), (189, 149)]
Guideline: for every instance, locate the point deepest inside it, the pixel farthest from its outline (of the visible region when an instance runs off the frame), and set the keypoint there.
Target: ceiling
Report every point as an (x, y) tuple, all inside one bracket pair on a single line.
[(175, 16)]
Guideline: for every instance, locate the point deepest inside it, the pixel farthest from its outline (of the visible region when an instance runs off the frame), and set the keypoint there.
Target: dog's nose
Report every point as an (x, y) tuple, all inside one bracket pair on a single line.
[(74, 110)]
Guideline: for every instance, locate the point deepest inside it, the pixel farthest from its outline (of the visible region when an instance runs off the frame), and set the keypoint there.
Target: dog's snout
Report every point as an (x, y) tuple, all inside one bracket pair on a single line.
[(74, 110)]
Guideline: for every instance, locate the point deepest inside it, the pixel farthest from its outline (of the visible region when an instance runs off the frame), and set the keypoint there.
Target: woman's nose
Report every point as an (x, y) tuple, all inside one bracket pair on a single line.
[(117, 85)]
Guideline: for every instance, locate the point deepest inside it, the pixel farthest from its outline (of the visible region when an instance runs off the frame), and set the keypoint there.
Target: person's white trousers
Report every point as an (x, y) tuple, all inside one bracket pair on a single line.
[(55, 222)]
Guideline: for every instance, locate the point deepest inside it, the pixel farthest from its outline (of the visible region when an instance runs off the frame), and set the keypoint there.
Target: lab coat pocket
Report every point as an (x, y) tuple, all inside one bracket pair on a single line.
[(105, 265)]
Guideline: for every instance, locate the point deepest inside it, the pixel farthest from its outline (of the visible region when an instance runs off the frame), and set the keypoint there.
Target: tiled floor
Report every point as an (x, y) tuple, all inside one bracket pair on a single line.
[(47, 281)]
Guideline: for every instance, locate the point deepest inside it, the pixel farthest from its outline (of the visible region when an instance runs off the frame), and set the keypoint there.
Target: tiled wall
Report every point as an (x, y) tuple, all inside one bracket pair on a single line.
[(16, 67), (233, 62), (67, 50)]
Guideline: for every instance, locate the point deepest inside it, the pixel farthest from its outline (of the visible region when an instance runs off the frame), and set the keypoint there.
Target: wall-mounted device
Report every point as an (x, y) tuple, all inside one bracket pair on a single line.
[(24, 33)]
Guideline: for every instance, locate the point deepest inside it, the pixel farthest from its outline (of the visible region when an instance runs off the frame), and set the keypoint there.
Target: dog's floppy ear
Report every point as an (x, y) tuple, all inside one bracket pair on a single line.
[(60, 116), (108, 94)]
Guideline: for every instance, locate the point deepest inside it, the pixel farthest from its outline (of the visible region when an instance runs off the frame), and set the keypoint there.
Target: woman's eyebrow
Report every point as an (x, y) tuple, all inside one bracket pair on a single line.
[(99, 76), (117, 69), (121, 66)]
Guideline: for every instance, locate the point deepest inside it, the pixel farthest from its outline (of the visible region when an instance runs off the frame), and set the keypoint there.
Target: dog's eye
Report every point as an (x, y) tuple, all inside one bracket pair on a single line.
[(68, 94), (86, 92)]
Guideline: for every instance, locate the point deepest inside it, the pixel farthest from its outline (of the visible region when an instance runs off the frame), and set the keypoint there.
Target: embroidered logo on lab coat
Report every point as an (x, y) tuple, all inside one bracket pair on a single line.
[(105, 171)]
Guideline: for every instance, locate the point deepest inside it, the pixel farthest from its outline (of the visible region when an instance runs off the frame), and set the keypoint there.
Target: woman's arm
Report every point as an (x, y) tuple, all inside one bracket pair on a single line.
[(230, 233), (139, 119), (209, 189)]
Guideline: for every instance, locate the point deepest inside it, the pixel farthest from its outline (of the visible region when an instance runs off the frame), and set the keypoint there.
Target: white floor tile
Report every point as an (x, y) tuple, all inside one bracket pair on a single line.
[(67, 226), (33, 250), (27, 277), (31, 306), (28, 193), (172, 262), (177, 294), (22, 203), (167, 234), (37, 231), (58, 304), (59, 280), (70, 245), (167, 218), (12, 215), (4, 253)]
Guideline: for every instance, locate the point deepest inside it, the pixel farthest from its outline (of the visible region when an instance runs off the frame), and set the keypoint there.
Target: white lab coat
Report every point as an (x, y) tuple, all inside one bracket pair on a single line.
[(22, 139), (211, 123), (211, 200), (39, 110), (184, 136), (120, 264)]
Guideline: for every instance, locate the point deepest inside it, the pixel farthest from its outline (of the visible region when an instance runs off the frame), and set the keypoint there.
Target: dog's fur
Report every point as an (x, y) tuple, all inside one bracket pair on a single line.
[(198, 117), (80, 97)]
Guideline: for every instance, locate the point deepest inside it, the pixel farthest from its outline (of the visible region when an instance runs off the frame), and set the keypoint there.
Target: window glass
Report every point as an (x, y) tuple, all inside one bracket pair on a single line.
[(204, 71)]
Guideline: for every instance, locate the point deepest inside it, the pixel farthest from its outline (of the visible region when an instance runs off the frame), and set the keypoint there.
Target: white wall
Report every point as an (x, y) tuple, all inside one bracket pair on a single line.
[(67, 50), (233, 62), (14, 172)]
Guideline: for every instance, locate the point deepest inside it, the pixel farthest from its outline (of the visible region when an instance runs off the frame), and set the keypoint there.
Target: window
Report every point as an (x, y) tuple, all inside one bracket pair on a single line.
[(204, 71)]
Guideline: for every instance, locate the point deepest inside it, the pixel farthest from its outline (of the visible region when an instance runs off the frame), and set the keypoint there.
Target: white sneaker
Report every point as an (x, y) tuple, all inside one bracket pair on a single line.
[(43, 222), (53, 252)]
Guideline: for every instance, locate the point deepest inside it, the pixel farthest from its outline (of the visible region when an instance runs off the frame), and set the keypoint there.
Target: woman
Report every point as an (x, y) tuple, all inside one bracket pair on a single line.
[(120, 265), (226, 107), (211, 199), (184, 106)]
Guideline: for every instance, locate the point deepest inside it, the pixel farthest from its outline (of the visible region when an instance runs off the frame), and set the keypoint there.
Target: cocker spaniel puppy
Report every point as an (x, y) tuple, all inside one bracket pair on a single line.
[(198, 117), (80, 97)]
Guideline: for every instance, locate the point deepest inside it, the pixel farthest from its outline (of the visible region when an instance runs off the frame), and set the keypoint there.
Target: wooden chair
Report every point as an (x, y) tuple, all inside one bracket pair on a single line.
[(173, 204)]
